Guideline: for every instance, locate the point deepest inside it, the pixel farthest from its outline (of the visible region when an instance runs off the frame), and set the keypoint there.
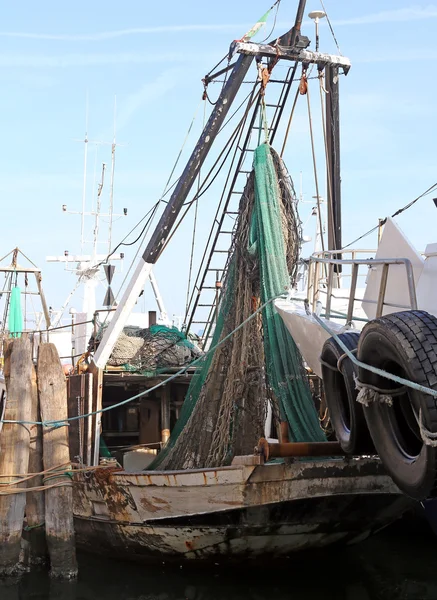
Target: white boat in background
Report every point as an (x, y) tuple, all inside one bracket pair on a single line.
[(397, 278)]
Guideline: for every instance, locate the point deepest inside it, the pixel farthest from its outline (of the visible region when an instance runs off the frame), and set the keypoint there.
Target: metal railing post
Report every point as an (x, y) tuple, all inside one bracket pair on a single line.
[(382, 290), (350, 308)]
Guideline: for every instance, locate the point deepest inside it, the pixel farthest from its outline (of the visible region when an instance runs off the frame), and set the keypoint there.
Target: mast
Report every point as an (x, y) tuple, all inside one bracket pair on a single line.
[(333, 152), (247, 50)]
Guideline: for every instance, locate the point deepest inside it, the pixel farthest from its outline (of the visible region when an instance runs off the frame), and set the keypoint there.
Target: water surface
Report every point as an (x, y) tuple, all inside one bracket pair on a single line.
[(398, 564)]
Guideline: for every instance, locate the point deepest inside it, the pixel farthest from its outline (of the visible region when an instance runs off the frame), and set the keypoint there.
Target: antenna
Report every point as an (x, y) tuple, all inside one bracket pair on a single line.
[(111, 186), (97, 213), (316, 15), (82, 225)]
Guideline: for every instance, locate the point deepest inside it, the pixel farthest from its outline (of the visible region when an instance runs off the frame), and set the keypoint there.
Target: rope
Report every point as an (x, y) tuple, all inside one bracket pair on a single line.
[(30, 527), (24, 478), (41, 488), (369, 393), (429, 438), (405, 382), (152, 389)]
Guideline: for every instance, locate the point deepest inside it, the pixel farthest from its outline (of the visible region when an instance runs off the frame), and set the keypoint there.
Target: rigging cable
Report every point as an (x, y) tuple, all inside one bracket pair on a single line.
[(203, 191), (209, 247), (277, 3), (166, 190), (287, 131), (328, 165), (143, 234), (193, 241), (316, 180), (330, 27), (168, 187), (395, 214)]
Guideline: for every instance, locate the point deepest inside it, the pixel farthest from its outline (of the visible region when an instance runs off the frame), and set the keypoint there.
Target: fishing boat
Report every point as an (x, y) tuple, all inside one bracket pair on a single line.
[(208, 495)]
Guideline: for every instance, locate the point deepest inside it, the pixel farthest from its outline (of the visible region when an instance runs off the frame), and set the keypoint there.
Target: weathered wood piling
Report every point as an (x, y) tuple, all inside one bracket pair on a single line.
[(35, 504), (58, 500), (14, 451)]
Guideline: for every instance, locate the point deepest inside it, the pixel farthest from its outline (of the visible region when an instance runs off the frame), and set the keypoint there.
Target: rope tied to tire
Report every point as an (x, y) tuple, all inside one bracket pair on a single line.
[(367, 393), (428, 437)]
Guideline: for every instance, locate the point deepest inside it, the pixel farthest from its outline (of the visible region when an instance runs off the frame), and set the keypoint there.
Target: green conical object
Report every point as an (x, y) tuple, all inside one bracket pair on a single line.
[(15, 321)]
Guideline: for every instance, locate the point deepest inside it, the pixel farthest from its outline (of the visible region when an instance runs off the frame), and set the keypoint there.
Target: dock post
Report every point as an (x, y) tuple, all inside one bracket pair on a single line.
[(52, 390), (14, 451), (35, 504)]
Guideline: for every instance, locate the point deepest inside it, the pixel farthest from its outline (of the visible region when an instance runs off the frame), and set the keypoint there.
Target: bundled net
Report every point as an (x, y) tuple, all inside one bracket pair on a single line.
[(225, 408), (151, 350)]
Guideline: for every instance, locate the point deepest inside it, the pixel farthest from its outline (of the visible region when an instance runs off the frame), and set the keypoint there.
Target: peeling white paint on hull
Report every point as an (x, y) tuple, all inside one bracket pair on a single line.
[(233, 513)]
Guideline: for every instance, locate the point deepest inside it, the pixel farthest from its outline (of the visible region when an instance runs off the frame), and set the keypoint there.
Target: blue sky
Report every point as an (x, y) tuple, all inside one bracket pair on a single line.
[(152, 56)]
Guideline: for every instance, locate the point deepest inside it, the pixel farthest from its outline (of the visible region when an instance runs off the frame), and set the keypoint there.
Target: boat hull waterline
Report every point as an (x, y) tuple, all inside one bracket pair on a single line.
[(233, 513)]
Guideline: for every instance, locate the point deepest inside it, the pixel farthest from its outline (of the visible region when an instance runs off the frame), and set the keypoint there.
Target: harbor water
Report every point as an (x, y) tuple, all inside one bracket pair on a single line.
[(399, 563)]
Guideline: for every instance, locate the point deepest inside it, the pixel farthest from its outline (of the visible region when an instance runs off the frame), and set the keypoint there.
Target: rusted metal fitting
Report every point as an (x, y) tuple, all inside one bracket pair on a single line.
[(291, 449)]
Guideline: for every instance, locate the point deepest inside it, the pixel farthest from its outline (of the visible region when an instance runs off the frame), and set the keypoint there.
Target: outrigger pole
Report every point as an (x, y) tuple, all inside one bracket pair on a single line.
[(275, 50)]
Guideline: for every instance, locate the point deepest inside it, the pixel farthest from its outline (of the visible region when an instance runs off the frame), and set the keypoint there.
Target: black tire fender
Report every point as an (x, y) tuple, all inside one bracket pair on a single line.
[(347, 416), (404, 344)]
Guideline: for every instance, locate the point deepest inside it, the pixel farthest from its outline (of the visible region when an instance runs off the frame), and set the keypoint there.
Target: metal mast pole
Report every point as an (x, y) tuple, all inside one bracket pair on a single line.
[(333, 151)]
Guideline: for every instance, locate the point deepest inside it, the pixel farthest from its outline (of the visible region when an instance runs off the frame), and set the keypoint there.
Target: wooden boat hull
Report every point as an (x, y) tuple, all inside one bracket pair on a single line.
[(233, 513)]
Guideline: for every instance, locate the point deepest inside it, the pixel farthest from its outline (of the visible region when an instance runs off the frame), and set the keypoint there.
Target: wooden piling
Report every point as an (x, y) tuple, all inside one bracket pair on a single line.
[(14, 450), (58, 500), (35, 505)]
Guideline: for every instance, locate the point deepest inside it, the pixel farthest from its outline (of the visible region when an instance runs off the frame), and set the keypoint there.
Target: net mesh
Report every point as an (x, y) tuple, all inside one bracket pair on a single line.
[(152, 350), (224, 412)]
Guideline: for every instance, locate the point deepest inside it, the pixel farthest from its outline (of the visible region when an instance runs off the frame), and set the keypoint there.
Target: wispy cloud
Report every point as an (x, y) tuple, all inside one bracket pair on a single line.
[(90, 60), (427, 54), (109, 35), (413, 13), (148, 93)]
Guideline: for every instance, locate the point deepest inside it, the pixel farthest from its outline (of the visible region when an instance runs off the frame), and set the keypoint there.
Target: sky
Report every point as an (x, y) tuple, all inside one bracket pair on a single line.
[(143, 62)]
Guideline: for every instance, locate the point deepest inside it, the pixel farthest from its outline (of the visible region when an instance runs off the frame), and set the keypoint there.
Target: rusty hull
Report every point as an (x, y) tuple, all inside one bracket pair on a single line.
[(233, 513)]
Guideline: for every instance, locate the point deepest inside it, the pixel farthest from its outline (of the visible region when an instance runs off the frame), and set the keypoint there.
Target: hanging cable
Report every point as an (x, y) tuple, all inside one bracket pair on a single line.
[(395, 214), (305, 90), (181, 150), (227, 147), (330, 27), (193, 241), (201, 273), (287, 131), (328, 165), (277, 3)]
